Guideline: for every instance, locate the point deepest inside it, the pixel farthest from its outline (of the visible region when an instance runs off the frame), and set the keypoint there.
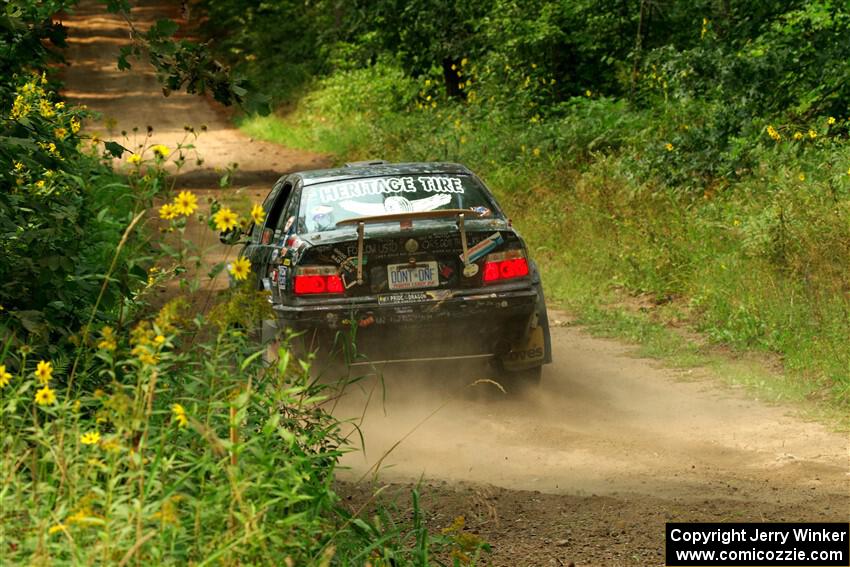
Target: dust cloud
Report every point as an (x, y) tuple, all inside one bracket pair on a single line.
[(601, 422)]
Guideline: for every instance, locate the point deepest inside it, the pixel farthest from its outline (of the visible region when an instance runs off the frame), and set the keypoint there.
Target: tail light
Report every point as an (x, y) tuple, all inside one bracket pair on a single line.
[(505, 266), (312, 280)]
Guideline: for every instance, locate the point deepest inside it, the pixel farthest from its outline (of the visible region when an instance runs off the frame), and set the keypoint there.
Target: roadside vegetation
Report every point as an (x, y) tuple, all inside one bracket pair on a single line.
[(695, 157), (133, 430)]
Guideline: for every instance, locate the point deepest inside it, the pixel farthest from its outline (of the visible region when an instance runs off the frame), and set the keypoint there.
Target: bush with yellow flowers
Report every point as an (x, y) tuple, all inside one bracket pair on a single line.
[(62, 213), (180, 450)]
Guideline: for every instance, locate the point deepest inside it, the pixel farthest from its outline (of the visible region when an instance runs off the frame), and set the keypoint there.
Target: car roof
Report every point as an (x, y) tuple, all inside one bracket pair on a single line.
[(311, 177)]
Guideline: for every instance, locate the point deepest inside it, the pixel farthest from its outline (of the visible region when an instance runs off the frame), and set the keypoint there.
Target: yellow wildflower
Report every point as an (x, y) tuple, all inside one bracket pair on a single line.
[(464, 61), (427, 82), (225, 219), (134, 159), (159, 339), (40, 183), (112, 445), (5, 377), (813, 134), (20, 108), (258, 214), (771, 131), (46, 109), (802, 177), (588, 92), (57, 528), (107, 341), (168, 513), (60, 133), (798, 135), (830, 120), (669, 147), (59, 105), (185, 203), (44, 371), (49, 148), (240, 268), (85, 517), (90, 438), (45, 396), (178, 414), (145, 356), (75, 125), (19, 166), (536, 152), (168, 211), (160, 151)]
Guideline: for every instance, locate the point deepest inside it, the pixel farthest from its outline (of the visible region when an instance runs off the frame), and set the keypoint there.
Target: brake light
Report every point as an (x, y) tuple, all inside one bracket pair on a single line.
[(505, 266), (312, 280)]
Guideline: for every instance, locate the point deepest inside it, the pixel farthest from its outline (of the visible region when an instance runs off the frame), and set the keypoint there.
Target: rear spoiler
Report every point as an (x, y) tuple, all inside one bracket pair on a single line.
[(361, 222)]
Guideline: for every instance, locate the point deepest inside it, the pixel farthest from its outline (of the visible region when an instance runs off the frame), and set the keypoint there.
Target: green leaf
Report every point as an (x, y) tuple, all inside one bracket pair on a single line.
[(163, 28), (247, 362), (115, 149), (216, 270)]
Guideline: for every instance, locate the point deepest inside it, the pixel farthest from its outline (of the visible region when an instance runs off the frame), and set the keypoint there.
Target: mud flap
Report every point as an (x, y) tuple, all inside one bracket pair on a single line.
[(268, 337), (530, 351), (535, 347)]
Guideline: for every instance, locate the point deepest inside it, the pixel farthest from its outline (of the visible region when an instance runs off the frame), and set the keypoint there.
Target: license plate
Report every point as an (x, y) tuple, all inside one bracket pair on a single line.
[(405, 276)]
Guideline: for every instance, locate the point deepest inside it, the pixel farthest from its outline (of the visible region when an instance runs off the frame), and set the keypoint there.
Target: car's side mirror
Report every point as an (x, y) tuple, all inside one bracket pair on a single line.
[(230, 237)]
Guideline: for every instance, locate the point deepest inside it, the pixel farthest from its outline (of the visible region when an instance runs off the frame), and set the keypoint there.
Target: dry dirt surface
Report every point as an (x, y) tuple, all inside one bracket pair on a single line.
[(585, 468)]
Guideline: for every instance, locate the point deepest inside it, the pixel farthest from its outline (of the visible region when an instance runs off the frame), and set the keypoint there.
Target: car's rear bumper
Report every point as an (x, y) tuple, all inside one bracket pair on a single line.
[(502, 323), (444, 307)]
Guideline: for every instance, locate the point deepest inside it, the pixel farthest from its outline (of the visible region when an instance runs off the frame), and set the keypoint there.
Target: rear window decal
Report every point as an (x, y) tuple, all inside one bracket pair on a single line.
[(396, 204)]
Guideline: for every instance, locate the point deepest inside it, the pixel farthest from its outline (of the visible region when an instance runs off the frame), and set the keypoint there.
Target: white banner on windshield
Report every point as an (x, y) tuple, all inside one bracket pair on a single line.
[(390, 185)]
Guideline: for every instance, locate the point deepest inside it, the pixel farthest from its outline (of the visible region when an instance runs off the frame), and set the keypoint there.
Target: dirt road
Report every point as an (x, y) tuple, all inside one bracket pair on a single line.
[(588, 467)]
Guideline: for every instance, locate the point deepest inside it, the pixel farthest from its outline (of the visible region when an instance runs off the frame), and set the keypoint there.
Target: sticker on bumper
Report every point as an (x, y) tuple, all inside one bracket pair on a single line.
[(413, 297)]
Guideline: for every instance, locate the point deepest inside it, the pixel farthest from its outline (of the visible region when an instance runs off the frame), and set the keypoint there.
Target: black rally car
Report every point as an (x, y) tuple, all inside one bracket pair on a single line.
[(417, 258)]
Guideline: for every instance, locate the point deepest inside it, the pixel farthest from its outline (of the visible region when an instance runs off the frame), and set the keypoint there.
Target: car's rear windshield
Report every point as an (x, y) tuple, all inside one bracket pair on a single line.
[(325, 204)]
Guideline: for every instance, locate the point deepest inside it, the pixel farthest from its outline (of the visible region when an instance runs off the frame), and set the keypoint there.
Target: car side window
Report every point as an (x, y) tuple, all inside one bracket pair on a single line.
[(290, 211), (273, 211)]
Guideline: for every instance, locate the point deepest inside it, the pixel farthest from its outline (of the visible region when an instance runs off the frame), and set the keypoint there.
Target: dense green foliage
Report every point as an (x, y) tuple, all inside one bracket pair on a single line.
[(62, 209), (693, 153)]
